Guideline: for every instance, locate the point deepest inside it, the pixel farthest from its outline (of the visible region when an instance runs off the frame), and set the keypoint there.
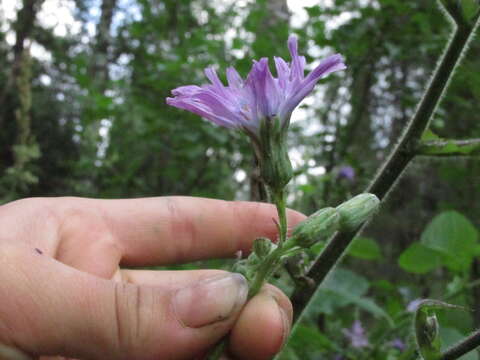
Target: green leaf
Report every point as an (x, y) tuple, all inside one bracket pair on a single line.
[(370, 306), (344, 287), (330, 296), (419, 259), (429, 135), (365, 248), (308, 336), (454, 236), (313, 11), (469, 8), (343, 280)]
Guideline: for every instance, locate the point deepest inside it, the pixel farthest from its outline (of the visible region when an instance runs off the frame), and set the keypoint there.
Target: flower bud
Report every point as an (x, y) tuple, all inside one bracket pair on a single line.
[(426, 325), (272, 152), (262, 247), (427, 331), (318, 226), (357, 210)]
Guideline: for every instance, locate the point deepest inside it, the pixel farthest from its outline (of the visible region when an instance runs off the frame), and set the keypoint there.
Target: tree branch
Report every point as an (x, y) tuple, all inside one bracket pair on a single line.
[(461, 348), (394, 166)]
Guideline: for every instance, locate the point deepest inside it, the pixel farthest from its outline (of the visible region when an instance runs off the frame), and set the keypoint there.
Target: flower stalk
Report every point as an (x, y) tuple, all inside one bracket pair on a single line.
[(279, 199), (261, 107)]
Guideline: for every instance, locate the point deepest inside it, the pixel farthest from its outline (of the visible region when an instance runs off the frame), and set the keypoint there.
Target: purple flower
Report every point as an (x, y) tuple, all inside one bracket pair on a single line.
[(356, 335), (398, 344), (412, 306), (243, 104), (346, 172)]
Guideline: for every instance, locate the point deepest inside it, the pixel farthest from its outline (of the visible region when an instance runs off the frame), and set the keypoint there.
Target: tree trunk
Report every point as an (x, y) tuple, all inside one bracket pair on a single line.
[(99, 67), (23, 30)]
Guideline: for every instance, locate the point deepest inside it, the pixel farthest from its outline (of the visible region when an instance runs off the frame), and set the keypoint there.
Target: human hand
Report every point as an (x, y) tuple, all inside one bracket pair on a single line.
[(63, 293)]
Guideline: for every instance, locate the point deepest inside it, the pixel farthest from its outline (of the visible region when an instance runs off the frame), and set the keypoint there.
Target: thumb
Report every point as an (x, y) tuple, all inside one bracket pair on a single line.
[(49, 308)]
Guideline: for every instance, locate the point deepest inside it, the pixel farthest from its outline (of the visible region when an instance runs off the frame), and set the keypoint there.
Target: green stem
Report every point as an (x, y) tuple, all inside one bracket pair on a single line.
[(393, 167), (466, 345), (280, 202), (217, 351), (446, 147), (268, 266)]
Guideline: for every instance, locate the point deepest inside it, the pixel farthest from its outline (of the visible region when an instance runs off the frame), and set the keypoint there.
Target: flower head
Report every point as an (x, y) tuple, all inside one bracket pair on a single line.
[(413, 305), (244, 104), (398, 344), (346, 172), (356, 335)]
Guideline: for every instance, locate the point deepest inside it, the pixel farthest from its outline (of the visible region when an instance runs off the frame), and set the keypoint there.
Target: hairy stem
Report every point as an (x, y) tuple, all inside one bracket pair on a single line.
[(280, 203), (461, 348), (271, 262), (265, 270), (446, 147), (268, 266), (393, 167)]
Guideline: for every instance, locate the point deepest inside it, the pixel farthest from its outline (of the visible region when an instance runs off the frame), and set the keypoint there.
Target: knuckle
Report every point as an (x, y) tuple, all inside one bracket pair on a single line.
[(133, 318)]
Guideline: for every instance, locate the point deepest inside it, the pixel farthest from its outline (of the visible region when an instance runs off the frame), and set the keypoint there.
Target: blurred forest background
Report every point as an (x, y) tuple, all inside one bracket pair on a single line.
[(82, 112)]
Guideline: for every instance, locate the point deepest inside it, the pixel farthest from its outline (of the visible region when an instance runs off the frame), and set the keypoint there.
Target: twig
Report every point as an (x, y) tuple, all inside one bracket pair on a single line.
[(446, 147)]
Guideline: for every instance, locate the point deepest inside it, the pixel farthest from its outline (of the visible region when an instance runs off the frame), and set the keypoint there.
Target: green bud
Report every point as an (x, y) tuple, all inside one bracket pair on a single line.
[(357, 210), (427, 334), (318, 226), (272, 152), (427, 327), (262, 247)]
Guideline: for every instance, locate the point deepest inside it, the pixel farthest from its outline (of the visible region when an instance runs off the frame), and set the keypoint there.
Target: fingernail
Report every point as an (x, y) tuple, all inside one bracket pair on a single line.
[(210, 300), (9, 353)]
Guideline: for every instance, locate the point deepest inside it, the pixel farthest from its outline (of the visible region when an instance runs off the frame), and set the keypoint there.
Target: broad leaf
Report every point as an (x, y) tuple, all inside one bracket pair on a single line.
[(419, 259), (365, 248), (344, 287), (454, 236)]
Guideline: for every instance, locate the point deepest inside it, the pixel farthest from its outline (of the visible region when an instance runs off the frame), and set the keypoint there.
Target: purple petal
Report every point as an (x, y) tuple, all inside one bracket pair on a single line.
[(283, 72), (264, 88), (244, 104), (186, 90), (211, 74), (298, 63), (218, 105), (356, 335), (256, 84), (328, 65), (199, 109), (305, 87), (233, 78)]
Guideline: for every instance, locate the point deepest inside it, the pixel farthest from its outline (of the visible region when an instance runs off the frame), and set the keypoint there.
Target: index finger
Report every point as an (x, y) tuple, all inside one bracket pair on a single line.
[(169, 230)]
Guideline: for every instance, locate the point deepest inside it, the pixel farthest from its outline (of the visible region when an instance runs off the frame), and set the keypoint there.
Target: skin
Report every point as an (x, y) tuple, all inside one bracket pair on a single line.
[(65, 294)]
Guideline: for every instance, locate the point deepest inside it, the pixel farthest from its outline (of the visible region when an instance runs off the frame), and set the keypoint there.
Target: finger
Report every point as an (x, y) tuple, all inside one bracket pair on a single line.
[(263, 326), (270, 312), (167, 280), (179, 229), (54, 310)]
